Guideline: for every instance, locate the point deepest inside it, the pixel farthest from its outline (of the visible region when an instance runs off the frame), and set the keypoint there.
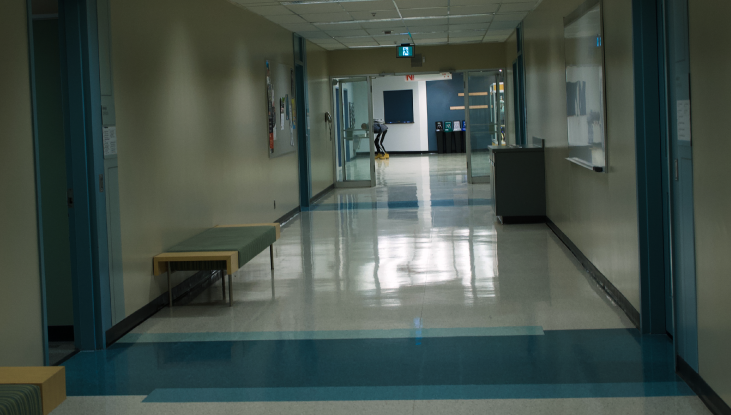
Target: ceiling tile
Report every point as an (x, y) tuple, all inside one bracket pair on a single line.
[(429, 29), (341, 33), (425, 36), (469, 33), (415, 4), (517, 7), (466, 10), (359, 43), (413, 22), (455, 40), (379, 14), (269, 10), (327, 17), (309, 8), (475, 2), (501, 17), (339, 26), (300, 27), (359, 6), (432, 11), (469, 26), (395, 30), (394, 25), (439, 41), (485, 18)]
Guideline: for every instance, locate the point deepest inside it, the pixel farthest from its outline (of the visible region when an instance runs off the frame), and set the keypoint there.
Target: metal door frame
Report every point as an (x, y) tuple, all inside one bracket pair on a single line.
[(468, 141), (345, 183)]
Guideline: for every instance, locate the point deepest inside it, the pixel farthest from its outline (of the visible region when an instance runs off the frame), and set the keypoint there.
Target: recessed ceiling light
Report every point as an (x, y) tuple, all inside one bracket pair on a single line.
[(405, 19)]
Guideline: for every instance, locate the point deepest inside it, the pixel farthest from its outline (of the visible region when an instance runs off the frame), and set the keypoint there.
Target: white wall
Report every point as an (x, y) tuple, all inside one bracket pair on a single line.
[(21, 333), (403, 137)]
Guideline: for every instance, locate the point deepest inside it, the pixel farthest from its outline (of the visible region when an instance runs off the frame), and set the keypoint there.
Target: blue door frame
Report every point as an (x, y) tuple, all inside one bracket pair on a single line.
[(85, 161), (303, 122)]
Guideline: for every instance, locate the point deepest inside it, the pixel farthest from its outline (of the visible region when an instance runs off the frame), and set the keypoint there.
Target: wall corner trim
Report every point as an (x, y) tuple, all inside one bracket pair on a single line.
[(710, 398), (603, 282)]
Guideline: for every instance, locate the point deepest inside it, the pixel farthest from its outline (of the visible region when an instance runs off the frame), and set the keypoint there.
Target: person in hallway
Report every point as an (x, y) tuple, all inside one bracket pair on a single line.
[(379, 129)]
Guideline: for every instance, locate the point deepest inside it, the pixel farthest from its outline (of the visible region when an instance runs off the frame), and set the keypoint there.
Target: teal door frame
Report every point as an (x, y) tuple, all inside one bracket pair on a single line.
[(39, 196), (303, 121), (85, 172)]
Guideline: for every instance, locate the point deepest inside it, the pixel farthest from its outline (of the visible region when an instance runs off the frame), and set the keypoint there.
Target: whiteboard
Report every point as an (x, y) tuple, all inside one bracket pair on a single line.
[(585, 87), (282, 118)]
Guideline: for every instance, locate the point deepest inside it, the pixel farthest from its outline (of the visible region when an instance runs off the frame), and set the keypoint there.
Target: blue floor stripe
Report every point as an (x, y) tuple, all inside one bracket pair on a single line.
[(400, 204), (428, 392), (331, 334)]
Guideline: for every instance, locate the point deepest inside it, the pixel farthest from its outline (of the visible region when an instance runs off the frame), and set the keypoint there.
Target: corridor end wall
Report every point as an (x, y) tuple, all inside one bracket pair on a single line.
[(189, 80), (21, 322), (597, 211)]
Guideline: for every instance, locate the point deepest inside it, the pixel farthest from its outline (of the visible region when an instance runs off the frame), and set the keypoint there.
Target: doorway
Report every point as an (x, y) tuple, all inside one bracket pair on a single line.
[(354, 146)]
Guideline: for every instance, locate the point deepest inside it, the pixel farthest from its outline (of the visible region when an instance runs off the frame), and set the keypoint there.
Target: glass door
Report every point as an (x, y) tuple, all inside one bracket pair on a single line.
[(355, 150), (485, 116)]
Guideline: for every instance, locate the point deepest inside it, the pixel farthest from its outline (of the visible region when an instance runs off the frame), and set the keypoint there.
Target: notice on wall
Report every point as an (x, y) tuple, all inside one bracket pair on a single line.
[(109, 137), (684, 128)]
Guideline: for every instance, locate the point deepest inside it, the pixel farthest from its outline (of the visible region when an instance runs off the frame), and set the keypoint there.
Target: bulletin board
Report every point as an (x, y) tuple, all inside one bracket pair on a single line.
[(282, 117), (585, 86)]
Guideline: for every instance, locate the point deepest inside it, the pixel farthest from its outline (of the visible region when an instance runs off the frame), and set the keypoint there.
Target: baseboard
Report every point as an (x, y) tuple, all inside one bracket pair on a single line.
[(316, 198), (61, 333), (710, 398), (183, 292), (288, 216), (603, 282)]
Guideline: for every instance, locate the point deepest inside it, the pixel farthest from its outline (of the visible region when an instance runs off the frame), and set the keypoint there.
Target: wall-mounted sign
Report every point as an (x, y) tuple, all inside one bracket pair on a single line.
[(406, 51), (448, 127), (439, 126), (457, 125), (464, 125), (444, 76)]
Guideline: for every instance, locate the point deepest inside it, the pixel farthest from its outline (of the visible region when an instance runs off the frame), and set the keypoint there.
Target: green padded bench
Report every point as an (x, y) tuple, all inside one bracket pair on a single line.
[(20, 400), (224, 248)]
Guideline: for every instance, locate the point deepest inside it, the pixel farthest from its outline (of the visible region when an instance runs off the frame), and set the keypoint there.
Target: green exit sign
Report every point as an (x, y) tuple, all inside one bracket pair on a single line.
[(406, 51)]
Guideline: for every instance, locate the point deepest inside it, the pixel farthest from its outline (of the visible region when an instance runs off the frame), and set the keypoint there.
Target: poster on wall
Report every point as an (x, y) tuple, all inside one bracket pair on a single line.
[(281, 113), (270, 107)]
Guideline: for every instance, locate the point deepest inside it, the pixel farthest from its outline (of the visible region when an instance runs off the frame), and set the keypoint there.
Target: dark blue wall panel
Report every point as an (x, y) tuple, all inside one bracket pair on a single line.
[(440, 95)]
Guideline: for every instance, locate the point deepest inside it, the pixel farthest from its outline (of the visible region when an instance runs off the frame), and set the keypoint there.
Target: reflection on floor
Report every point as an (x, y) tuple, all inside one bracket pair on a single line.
[(406, 298)]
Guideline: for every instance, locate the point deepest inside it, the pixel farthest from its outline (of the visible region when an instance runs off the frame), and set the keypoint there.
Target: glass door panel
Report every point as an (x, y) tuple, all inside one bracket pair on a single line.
[(355, 148), (485, 113)]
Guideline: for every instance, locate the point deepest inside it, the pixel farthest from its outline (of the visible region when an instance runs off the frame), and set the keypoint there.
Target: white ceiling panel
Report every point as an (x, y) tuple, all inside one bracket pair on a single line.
[(481, 9), (440, 41), (483, 18), (327, 17), (376, 14), (361, 23), (358, 6), (419, 4), (341, 33), (309, 8), (414, 22), (517, 7), (432, 11)]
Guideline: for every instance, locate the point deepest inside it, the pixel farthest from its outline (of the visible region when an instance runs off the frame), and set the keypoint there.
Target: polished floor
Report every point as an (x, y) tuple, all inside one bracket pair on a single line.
[(406, 298)]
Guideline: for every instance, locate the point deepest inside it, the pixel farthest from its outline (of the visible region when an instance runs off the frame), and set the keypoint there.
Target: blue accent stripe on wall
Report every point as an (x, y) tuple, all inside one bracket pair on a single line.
[(400, 204)]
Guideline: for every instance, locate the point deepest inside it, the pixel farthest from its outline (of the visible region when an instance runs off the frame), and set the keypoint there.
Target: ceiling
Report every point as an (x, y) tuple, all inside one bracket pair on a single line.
[(349, 24)]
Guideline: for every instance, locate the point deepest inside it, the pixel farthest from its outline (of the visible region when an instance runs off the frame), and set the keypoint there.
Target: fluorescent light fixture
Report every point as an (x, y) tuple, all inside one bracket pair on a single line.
[(405, 19), (290, 3)]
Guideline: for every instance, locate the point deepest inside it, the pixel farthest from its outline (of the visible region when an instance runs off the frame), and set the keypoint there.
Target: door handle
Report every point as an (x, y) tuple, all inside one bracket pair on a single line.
[(70, 197), (677, 172)]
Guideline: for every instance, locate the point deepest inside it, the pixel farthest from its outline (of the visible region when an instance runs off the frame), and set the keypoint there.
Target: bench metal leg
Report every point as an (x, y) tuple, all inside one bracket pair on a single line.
[(230, 291), (223, 283), (170, 285), (271, 255)]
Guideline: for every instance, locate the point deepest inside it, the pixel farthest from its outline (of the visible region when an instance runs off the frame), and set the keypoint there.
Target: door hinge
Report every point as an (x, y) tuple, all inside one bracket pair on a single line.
[(101, 183)]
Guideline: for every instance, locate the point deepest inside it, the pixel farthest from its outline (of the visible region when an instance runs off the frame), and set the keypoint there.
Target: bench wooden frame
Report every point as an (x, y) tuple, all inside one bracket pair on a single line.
[(51, 380), (165, 262)]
